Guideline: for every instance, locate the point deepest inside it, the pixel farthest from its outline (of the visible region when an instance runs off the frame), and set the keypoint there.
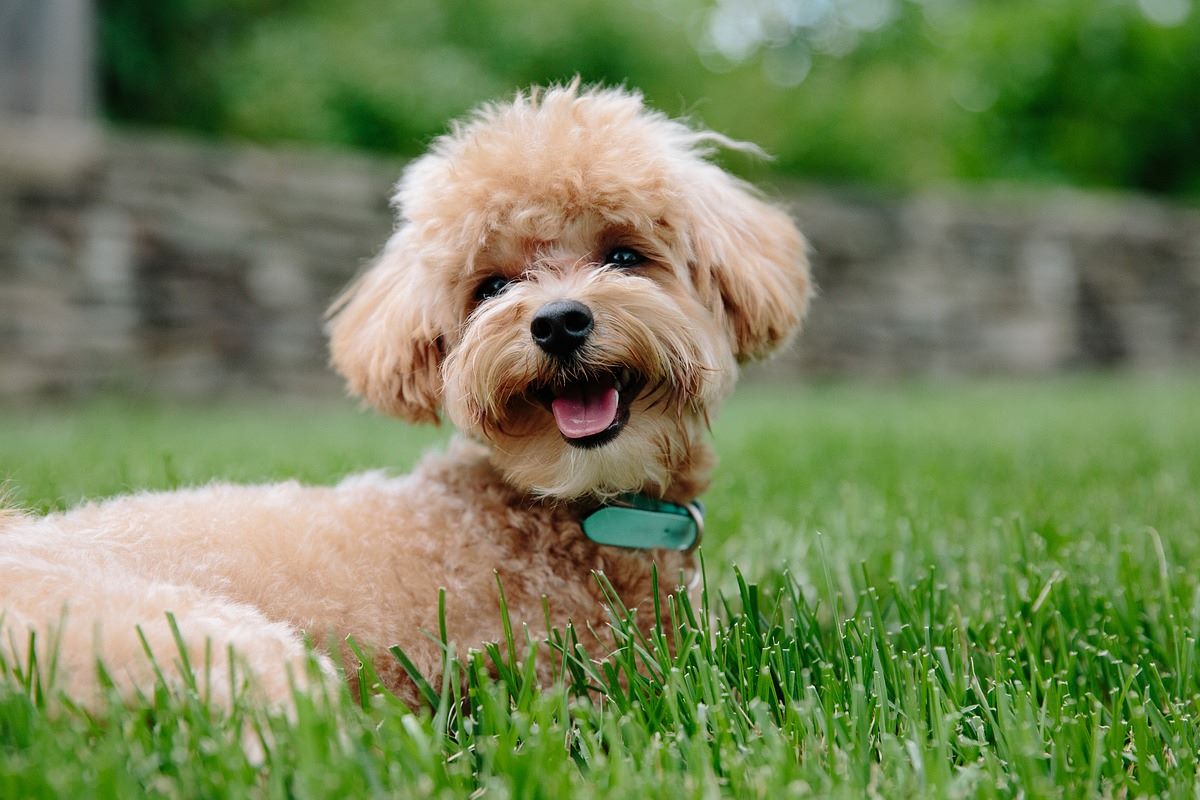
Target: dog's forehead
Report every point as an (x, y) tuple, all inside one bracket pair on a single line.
[(552, 236), (531, 169)]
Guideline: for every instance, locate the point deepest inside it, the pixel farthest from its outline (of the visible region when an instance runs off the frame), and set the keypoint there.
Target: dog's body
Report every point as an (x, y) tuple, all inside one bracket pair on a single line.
[(573, 284), (254, 566)]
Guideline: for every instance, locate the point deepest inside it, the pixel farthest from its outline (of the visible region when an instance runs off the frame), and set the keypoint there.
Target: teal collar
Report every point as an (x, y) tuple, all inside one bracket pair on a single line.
[(642, 523)]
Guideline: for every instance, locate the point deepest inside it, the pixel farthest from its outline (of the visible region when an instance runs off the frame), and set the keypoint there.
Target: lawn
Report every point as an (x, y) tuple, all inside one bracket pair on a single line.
[(913, 591)]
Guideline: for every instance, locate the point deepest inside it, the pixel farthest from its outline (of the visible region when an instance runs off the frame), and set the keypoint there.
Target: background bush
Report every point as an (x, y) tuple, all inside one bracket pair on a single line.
[(897, 92)]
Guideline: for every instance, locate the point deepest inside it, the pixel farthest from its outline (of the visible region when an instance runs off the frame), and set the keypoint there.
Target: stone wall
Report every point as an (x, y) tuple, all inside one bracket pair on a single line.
[(184, 268), (170, 266), (1001, 282)]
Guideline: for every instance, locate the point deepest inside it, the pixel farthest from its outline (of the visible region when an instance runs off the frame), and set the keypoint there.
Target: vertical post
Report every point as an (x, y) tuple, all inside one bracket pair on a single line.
[(47, 85)]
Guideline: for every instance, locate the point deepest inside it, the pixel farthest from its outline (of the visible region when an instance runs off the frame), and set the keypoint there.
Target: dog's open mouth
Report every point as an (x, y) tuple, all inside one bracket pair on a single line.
[(592, 411)]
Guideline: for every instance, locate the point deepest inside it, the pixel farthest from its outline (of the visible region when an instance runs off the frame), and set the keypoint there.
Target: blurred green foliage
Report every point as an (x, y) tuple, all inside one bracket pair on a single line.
[(896, 92)]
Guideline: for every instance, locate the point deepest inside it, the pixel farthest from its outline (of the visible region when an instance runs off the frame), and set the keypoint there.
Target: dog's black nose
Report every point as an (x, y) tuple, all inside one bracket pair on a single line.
[(560, 327)]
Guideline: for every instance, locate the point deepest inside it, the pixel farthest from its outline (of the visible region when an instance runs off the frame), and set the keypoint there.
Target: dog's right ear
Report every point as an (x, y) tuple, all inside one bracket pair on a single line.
[(386, 333)]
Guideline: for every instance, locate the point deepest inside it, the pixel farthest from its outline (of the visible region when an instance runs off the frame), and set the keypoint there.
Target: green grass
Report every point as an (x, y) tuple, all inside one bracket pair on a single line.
[(975, 590)]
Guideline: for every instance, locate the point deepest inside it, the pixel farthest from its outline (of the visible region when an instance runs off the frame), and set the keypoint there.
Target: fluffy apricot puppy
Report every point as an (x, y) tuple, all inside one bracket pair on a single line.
[(573, 284)]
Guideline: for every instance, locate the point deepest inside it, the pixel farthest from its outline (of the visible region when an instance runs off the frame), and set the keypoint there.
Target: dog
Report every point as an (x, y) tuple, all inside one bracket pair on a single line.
[(573, 283)]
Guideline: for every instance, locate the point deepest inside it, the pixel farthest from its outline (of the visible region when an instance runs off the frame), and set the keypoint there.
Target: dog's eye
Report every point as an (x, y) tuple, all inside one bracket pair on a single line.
[(491, 287), (624, 257)]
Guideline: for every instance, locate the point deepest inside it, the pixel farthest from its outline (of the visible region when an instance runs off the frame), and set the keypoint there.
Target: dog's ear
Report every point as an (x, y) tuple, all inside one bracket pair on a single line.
[(750, 263), (386, 333)]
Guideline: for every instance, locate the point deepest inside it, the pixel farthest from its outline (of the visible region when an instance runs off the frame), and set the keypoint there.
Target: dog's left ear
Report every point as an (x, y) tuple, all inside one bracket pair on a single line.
[(750, 263), (387, 333)]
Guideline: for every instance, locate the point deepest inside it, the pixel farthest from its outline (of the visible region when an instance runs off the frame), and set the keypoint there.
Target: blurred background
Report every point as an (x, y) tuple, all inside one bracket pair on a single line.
[(990, 186)]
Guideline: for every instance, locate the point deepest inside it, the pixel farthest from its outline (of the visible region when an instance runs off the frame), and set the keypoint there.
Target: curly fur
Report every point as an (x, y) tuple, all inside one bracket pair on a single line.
[(536, 190)]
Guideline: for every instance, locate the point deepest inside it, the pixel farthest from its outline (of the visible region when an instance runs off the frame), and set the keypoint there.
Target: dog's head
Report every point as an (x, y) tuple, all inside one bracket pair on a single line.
[(574, 283)]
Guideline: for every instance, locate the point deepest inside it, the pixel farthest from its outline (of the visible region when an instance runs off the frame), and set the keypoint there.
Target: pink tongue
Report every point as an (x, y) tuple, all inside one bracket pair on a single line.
[(585, 412)]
